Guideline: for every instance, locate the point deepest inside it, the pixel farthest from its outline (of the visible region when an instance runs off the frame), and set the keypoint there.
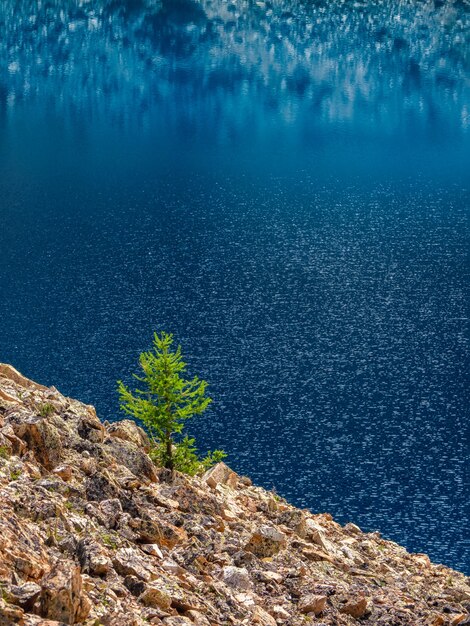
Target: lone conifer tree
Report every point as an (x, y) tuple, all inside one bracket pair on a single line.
[(166, 401)]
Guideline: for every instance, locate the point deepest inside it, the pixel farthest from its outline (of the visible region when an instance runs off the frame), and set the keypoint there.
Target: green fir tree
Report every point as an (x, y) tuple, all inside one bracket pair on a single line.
[(164, 403)]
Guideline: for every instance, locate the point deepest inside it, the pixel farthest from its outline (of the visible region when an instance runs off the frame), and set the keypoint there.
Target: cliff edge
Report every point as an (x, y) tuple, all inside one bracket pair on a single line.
[(92, 533)]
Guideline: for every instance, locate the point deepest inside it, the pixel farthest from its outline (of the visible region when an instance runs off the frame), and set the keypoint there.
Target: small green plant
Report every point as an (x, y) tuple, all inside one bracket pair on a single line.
[(15, 474), (165, 402), (3, 593), (4, 452), (186, 458), (109, 541), (46, 409)]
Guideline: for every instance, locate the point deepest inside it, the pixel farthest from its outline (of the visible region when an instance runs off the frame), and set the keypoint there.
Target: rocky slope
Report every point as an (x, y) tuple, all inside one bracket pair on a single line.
[(92, 533)]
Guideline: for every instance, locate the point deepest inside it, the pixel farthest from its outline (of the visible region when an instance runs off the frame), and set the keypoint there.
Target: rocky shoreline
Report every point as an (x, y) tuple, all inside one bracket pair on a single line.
[(92, 533)]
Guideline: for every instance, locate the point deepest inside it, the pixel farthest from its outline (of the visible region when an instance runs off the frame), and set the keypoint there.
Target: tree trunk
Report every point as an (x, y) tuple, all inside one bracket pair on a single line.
[(169, 453)]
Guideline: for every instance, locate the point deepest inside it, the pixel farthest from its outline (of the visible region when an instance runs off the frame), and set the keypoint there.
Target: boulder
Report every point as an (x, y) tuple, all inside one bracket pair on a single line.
[(129, 431), (237, 577), (266, 541), (262, 617), (356, 607), (155, 597), (128, 454), (92, 558), (11, 615), (128, 561), (312, 603), (40, 436), (62, 597), (24, 595), (220, 474)]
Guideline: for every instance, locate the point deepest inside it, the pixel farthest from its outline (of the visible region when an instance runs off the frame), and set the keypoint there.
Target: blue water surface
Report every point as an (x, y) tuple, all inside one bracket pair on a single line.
[(285, 187)]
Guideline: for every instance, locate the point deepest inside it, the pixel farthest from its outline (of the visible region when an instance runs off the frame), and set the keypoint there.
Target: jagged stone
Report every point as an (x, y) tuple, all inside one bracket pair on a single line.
[(128, 561), (11, 615), (24, 595), (262, 617), (62, 597), (92, 558), (155, 597), (356, 607), (266, 541), (237, 577), (40, 436), (220, 474), (129, 431), (312, 603), (134, 458)]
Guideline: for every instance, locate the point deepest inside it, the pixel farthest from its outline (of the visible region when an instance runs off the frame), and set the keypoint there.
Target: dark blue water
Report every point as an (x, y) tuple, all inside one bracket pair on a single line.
[(285, 186)]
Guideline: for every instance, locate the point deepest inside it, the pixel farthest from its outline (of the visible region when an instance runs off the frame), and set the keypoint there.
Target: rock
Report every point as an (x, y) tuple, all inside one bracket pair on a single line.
[(155, 531), (198, 619), (62, 598), (280, 612), (132, 457), (312, 603), (266, 541), (11, 615), (129, 561), (155, 597), (353, 529), (100, 486), (177, 621), (64, 472), (357, 607), (92, 558), (24, 595), (41, 436), (220, 474), (112, 511), (237, 577), (262, 617), (129, 431)]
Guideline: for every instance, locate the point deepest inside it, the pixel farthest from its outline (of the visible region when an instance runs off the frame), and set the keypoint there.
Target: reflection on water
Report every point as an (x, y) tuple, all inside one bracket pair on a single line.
[(383, 63), (284, 185)]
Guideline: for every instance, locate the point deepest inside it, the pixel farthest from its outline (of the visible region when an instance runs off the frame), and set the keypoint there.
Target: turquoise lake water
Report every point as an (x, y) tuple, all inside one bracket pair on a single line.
[(285, 187)]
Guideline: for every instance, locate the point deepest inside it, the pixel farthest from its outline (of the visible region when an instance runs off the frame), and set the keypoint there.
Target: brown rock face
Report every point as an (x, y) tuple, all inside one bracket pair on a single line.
[(41, 437), (266, 541), (356, 607), (61, 594), (89, 535), (129, 431), (220, 474), (312, 604)]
